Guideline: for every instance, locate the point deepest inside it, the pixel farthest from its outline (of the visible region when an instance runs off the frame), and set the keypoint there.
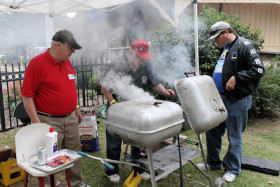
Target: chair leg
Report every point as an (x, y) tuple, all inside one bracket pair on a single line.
[(67, 178), (41, 181), (26, 179), (52, 180)]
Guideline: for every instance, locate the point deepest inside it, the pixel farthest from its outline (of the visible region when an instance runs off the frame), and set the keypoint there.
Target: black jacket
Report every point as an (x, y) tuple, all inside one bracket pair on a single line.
[(244, 62)]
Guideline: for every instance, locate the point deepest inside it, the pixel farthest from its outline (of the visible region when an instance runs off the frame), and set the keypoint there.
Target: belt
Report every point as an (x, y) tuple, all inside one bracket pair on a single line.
[(49, 115)]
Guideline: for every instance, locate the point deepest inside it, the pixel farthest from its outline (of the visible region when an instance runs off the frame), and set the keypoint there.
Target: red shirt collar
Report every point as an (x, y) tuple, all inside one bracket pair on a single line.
[(52, 59)]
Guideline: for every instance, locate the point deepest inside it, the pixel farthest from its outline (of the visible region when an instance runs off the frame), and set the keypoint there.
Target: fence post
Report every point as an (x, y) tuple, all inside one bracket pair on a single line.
[(83, 83), (3, 126)]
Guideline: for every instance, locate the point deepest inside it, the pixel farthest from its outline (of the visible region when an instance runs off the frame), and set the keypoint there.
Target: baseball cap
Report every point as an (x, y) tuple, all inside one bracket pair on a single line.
[(217, 28), (66, 36), (142, 48)]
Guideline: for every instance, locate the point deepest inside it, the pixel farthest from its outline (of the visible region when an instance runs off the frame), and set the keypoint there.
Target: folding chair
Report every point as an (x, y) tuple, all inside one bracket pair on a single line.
[(20, 113)]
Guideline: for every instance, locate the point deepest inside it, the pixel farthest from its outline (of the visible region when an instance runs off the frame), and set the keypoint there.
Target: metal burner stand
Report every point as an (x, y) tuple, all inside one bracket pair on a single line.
[(165, 164)]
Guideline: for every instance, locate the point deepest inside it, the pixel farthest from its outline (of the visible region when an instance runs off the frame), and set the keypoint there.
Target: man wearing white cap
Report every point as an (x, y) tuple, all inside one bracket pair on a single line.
[(237, 74)]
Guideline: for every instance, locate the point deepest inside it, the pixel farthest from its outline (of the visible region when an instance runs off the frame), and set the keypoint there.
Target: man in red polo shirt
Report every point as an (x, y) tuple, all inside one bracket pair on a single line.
[(49, 95)]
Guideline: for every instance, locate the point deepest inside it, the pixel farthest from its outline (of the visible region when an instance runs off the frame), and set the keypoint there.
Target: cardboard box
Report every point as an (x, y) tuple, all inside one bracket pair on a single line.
[(88, 133), (10, 172)]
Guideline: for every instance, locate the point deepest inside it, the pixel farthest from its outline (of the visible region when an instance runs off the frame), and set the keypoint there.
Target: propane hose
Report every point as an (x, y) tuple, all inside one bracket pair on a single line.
[(188, 141)]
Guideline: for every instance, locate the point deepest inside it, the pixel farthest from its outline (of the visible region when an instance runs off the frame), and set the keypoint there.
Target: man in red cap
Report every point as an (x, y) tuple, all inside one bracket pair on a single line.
[(138, 67)]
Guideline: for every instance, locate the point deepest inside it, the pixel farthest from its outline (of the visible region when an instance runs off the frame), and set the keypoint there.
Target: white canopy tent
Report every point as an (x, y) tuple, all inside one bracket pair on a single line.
[(59, 6), (51, 7)]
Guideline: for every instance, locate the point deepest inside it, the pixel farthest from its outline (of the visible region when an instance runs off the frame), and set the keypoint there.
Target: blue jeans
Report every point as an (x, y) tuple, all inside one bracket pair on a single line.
[(113, 151), (235, 124)]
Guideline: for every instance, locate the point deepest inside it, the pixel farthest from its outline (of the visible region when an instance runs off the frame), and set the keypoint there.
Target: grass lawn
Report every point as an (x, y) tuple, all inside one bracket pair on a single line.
[(260, 140)]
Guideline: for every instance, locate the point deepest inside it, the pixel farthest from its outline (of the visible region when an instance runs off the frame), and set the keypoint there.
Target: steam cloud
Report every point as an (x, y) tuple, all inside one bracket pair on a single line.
[(96, 30), (123, 87), (169, 71)]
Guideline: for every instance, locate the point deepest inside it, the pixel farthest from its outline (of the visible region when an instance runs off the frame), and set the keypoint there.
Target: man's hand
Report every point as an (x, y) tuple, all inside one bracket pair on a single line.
[(79, 115), (231, 84), (162, 91), (169, 93)]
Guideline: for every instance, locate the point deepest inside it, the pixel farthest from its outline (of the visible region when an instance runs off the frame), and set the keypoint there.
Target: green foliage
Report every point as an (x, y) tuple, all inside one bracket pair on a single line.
[(168, 38), (172, 51), (91, 83), (267, 97), (94, 80), (85, 78), (91, 93)]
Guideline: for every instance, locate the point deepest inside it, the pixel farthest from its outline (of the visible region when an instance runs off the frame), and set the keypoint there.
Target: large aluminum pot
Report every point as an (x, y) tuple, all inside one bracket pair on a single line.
[(186, 125), (144, 124), (201, 102)]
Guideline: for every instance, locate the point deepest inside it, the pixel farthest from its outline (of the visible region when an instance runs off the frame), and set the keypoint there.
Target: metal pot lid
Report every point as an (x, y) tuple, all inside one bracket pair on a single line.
[(144, 116)]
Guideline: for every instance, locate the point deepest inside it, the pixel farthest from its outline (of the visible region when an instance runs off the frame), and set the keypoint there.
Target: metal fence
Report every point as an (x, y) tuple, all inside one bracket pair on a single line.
[(11, 82), (88, 89), (89, 70)]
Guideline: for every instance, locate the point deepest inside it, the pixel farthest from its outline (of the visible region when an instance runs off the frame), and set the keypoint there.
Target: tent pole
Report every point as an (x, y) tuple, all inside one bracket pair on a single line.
[(194, 2), (49, 27)]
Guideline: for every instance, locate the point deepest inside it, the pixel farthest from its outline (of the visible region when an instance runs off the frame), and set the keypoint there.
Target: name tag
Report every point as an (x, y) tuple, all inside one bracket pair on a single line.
[(71, 76)]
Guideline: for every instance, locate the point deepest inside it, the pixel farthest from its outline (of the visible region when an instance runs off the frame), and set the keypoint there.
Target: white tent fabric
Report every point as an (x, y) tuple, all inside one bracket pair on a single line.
[(52, 7), (59, 6)]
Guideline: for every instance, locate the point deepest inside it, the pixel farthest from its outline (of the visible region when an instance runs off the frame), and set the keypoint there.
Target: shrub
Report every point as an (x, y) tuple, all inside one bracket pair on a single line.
[(173, 51), (267, 98), (91, 93), (94, 81), (13, 90), (80, 79), (91, 82)]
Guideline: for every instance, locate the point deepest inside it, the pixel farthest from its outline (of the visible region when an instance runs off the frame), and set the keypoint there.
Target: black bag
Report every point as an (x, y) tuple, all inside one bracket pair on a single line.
[(260, 165)]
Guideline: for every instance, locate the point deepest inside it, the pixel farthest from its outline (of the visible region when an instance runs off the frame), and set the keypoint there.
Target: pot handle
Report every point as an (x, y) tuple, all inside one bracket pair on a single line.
[(222, 109), (188, 73)]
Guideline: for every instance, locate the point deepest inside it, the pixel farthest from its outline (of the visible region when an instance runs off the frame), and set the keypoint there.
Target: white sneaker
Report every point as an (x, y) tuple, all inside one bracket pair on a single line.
[(114, 178), (229, 177), (145, 176), (202, 166), (84, 185)]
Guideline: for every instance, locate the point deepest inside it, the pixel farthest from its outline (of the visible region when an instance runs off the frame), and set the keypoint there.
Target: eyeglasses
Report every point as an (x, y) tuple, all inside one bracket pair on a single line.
[(219, 35), (69, 47)]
